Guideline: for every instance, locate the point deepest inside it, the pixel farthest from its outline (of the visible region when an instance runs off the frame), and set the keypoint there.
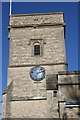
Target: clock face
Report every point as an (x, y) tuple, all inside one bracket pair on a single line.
[(37, 73)]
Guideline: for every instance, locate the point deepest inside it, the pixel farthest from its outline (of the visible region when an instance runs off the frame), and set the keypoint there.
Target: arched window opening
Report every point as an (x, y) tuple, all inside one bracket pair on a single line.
[(37, 49)]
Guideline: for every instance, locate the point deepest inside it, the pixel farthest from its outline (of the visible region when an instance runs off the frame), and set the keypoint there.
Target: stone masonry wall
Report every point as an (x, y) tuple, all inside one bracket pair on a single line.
[(53, 49), (24, 86), (65, 83), (32, 19), (69, 93), (4, 106), (48, 28)]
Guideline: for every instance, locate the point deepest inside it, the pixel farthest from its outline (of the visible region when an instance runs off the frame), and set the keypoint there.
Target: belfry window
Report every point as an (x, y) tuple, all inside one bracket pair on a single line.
[(36, 49)]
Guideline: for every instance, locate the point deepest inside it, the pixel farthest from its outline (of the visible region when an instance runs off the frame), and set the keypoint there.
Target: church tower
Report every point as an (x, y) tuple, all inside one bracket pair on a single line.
[(37, 54)]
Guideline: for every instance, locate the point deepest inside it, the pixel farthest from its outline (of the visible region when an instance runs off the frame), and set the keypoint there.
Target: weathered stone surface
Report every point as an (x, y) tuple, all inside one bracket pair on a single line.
[(4, 106), (25, 98), (29, 109), (69, 90), (24, 86), (72, 112), (68, 84), (28, 19), (53, 50)]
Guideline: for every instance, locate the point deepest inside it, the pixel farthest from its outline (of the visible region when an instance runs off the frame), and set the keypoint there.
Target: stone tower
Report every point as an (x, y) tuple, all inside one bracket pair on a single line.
[(36, 40)]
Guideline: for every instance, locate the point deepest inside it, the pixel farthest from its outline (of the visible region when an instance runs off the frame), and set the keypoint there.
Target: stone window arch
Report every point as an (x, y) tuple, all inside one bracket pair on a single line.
[(37, 46)]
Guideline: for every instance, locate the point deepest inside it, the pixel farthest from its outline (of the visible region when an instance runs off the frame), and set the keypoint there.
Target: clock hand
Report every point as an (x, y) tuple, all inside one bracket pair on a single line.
[(40, 71)]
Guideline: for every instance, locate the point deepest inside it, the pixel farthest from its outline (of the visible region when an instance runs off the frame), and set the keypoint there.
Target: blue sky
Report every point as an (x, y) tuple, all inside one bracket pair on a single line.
[(71, 19)]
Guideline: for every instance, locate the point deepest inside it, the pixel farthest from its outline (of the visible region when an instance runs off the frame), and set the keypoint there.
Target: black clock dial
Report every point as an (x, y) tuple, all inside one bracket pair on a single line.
[(37, 73)]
